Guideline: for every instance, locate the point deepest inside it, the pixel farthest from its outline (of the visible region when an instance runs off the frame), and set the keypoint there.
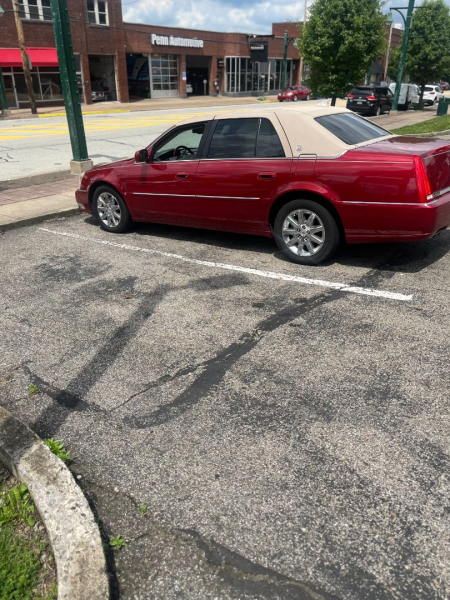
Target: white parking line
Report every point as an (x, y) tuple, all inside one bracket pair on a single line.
[(268, 274)]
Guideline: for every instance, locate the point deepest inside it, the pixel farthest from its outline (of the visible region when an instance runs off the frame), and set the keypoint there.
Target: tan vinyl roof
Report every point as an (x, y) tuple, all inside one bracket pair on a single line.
[(299, 133)]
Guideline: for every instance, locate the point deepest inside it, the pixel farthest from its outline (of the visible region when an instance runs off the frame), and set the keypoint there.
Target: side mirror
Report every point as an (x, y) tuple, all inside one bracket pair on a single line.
[(141, 155)]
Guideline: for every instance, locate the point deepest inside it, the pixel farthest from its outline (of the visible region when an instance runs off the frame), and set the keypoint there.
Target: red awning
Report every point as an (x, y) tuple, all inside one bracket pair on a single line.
[(40, 57)]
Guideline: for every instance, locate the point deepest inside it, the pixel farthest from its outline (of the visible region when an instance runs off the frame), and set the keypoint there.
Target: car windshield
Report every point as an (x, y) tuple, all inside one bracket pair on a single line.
[(292, 89), (351, 128)]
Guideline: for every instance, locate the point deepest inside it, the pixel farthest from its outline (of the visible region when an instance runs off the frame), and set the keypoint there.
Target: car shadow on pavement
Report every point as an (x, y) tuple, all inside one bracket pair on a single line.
[(404, 257)]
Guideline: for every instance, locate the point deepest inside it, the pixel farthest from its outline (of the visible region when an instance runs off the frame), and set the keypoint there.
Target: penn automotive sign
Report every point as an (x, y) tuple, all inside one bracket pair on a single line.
[(171, 40)]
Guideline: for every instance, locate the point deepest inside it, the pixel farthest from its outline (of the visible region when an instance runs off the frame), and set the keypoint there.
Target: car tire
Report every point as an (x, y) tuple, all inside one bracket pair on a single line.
[(280, 100), (295, 98), (308, 97), (301, 216), (377, 112), (110, 209)]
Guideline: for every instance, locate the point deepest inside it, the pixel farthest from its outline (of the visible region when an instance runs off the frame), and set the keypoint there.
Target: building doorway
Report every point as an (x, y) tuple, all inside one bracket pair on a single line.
[(138, 76), (197, 71), (103, 77)]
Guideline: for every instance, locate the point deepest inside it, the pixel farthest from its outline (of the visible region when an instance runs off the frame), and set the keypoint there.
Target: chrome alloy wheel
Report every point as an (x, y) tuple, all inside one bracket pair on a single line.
[(303, 232), (108, 210)]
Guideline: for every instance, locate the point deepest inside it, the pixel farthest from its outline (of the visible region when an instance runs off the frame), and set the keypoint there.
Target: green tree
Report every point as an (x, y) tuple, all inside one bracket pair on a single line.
[(429, 43), (341, 40)]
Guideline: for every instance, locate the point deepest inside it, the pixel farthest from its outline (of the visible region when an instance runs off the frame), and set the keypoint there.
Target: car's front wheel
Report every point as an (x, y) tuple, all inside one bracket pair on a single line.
[(295, 98), (306, 232), (110, 210)]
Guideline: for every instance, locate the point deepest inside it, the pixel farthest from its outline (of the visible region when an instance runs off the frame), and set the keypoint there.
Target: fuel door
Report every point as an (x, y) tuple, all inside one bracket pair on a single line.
[(306, 164)]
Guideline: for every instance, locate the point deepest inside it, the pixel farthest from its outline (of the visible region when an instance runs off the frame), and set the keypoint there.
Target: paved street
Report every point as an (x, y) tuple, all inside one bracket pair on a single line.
[(287, 426)]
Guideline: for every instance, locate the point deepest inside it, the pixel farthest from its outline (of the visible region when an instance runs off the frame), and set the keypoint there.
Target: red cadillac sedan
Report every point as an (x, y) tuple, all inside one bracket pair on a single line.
[(310, 178), (294, 93)]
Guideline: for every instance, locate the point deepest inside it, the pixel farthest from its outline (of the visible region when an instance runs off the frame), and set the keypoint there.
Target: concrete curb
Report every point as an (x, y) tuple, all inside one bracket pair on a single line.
[(39, 219), (74, 536)]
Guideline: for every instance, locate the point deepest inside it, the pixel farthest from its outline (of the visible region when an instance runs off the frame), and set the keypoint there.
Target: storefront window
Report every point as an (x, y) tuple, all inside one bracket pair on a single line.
[(244, 76), (21, 88), (46, 84)]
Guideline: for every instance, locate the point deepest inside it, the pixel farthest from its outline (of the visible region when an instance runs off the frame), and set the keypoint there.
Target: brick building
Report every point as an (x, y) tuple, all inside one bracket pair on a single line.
[(122, 61)]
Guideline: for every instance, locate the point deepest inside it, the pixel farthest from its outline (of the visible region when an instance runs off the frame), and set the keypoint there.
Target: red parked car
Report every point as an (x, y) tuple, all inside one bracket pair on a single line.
[(311, 178), (294, 93)]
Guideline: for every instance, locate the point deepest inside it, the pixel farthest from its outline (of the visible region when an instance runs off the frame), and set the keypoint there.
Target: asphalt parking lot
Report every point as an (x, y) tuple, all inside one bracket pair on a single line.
[(287, 426)]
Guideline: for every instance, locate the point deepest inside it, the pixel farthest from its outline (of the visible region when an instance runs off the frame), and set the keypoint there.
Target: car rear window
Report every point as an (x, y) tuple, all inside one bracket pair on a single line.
[(361, 92), (351, 128), (428, 88)]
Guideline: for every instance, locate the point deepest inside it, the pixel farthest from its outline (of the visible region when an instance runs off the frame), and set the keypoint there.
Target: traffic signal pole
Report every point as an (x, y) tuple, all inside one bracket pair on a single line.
[(64, 48), (401, 65)]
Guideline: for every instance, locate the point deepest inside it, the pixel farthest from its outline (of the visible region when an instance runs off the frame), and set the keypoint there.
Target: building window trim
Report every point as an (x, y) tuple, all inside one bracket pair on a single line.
[(97, 13), (42, 7)]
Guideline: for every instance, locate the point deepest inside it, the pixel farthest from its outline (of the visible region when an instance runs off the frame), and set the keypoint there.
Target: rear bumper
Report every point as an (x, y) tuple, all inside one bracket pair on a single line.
[(82, 199), (394, 222)]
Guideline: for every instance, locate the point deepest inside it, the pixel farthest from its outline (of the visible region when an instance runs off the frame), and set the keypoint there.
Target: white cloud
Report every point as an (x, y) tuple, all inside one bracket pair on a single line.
[(213, 15)]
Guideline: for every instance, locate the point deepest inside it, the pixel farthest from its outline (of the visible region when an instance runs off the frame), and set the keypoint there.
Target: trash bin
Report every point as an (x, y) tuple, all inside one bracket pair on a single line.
[(442, 107)]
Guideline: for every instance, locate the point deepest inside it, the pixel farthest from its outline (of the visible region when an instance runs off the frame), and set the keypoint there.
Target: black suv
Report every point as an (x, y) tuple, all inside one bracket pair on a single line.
[(370, 100)]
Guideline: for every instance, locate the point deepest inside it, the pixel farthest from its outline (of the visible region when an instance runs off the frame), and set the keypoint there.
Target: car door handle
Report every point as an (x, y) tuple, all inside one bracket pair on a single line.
[(267, 175), (182, 175)]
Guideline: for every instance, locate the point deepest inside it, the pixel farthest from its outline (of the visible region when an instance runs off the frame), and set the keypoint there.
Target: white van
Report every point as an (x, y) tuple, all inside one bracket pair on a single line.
[(409, 95)]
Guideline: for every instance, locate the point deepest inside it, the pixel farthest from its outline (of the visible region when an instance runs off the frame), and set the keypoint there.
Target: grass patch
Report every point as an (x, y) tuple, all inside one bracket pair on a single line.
[(433, 125), (58, 449), (27, 566)]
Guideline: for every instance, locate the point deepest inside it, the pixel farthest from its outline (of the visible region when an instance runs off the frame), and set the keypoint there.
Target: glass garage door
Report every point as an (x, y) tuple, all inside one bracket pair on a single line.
[(164, 75)]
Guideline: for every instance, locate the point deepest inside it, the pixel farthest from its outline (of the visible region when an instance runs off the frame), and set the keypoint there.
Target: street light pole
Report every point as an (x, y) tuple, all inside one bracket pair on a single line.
[(401, 65), (64, 48), (303, 32), (23, 52)]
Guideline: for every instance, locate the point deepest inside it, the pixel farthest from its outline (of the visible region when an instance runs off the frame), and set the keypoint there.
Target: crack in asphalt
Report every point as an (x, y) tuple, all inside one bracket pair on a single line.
[(255, 578)]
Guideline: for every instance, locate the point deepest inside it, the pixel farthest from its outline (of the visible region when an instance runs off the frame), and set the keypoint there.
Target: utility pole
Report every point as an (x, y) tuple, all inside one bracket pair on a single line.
[(401, 65), (64, 48), (23, 52), (303, 31), (283, 69), (6, 112)]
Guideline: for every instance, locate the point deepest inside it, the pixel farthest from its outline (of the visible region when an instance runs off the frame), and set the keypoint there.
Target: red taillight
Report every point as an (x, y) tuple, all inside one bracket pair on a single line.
[(350, 96), (371, 98), (432, 93), (423, 183)]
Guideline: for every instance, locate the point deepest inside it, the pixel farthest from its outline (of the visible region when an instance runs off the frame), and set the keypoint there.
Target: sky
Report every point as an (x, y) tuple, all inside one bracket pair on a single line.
[(245, 16)]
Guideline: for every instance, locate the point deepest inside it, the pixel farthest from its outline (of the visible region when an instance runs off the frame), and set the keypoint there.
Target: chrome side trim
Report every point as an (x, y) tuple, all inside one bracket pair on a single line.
[(195, 196), (175, 195), (384, 203)]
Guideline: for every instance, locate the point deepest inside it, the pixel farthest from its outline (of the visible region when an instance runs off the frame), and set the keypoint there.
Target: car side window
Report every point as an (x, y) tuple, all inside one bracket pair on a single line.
[(389, 94), (234, 138), (182, 144), (268, 144)]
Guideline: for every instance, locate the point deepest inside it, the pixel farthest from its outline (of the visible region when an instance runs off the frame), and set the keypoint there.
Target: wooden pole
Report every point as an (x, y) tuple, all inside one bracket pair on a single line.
[(23, 52)]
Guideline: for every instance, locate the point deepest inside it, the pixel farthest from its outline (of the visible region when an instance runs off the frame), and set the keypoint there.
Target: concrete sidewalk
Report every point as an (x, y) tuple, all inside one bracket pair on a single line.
[(32, 202), (139, 105)]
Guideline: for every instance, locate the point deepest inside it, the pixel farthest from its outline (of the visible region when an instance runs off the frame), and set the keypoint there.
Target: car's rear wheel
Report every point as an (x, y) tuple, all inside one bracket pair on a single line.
[(110, 209), (295, 98), (377, 112), (308, 97), (306, 232)]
